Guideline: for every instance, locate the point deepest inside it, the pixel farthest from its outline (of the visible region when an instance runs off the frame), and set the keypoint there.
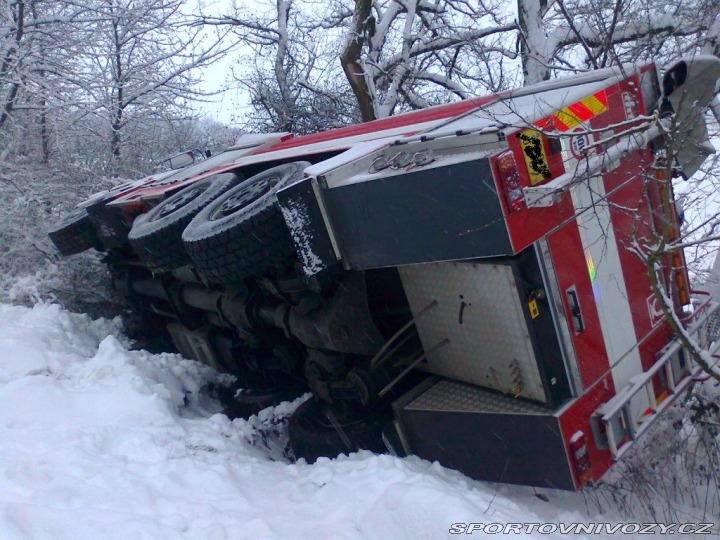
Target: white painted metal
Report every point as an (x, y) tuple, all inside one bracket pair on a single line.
[(524, 106), (602, 257), (257, 140), (352, 154), (517, 112), (443, 152)]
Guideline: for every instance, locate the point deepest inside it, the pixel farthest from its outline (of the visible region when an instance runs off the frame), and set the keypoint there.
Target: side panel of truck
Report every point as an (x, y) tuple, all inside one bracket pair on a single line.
[(576, 290)]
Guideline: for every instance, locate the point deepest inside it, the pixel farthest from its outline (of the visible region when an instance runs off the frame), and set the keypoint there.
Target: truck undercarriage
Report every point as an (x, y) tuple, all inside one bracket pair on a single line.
[(450, 283)]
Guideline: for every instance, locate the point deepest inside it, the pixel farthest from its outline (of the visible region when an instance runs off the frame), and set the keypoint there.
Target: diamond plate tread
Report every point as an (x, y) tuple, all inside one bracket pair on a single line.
[(452, 396), (478, 309), (713, 326)]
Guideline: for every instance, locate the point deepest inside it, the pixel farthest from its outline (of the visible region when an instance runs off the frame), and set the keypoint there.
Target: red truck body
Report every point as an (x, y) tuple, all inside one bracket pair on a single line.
[(514, 224)]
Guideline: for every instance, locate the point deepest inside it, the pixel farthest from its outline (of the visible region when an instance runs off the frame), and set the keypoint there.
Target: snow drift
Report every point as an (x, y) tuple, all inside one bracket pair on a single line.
[(100, 441)]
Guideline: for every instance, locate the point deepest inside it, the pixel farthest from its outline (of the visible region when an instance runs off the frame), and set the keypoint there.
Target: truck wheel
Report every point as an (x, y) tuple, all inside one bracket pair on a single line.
[(242, 233), (312, 434), (157, 239), (74, 233), (77, 231)]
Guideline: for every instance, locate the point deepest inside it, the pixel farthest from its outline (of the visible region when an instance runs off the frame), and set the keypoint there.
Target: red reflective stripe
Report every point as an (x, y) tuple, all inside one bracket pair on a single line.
[(559, 124), (602, 97), (581, 111), (545, 123)]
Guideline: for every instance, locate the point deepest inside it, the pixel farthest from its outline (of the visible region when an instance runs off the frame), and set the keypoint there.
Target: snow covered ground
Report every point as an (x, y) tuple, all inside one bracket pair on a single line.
[(98, 441)]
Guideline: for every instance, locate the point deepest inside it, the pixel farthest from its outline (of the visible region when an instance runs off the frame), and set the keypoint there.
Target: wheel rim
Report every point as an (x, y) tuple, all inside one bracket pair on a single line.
[(243, 197), (182, 199)]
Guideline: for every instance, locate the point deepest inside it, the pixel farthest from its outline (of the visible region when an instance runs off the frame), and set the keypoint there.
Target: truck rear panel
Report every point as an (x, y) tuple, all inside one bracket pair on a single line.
[(548, 304)]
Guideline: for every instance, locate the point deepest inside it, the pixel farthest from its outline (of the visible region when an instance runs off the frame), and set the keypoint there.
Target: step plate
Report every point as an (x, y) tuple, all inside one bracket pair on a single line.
[(452, 396), (483, 434)]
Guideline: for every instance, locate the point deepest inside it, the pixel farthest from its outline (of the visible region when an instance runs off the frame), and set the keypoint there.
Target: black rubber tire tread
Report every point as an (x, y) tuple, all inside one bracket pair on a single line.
[(312, 437), (247, 242), (110, 225), (157, 239), (74, 233)]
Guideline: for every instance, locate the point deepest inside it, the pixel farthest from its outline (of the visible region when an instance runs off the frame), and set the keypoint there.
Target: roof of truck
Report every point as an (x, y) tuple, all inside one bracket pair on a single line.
[(555, 92), (418, 119), (504, 111)]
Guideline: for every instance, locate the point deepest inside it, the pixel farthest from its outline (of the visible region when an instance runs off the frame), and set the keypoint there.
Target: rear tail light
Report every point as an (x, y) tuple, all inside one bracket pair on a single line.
[(510, 181), (681, 284), (580, 457), (677, 257)]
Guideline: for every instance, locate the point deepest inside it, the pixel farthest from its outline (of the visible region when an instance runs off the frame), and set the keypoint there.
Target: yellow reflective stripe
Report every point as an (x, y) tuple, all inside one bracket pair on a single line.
[(567, 118), (594, 104), (577, 113)]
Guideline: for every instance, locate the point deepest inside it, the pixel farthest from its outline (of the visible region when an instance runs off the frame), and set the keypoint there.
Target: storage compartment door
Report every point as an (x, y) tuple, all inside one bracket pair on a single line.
[(490, 321)]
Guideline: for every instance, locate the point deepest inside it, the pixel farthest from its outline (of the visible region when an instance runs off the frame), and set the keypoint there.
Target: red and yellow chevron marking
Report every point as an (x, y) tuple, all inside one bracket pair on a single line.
[(577, 113)]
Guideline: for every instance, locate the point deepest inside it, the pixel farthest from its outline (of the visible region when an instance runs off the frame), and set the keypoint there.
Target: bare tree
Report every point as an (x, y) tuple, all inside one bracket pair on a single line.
[(398, 55), (394, 55), (37, 51), (572, 35), (141, 59), (290, 71)]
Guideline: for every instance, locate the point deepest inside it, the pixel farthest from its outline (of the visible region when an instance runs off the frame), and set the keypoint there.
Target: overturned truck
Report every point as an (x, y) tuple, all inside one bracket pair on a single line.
[(464, 283)]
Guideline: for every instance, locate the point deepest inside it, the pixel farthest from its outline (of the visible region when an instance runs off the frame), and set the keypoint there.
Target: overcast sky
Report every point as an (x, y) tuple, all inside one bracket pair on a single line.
[(228, 106)]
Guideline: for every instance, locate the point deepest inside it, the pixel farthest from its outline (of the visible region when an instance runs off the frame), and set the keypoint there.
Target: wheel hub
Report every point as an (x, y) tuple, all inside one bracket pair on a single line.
[(244, 197), (181, 201)]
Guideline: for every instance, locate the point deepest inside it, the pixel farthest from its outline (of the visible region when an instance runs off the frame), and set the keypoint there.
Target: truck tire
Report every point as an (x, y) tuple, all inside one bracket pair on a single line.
[(157, 239), (74, 233), (312, 434), (242, 233)]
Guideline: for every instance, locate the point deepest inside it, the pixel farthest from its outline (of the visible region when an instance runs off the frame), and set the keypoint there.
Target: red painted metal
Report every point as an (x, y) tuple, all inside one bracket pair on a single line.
[(413, 121), (438, 112)]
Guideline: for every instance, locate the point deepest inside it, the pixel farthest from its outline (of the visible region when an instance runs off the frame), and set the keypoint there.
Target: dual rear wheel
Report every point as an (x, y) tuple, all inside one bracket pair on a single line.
[(228, 229)]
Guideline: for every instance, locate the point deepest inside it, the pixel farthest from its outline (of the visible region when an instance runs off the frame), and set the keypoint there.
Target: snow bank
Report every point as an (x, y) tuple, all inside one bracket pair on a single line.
[(99, 441)]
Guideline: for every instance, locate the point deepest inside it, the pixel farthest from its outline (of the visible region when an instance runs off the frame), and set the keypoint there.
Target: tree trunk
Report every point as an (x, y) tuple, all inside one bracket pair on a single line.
[(115, 141), (9, 102), (44, 135), (350, 59), (119, 105), (287, 110), (533, 41)]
